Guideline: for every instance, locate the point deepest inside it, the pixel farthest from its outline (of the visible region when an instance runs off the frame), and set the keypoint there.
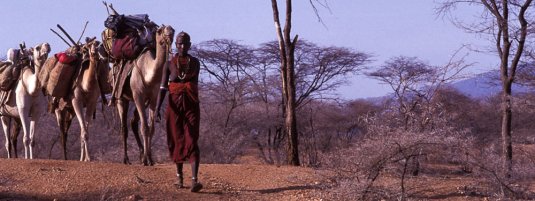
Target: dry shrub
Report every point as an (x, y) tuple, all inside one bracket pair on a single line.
[(390, 162), (384, 163), (224, 132), (491, 179)]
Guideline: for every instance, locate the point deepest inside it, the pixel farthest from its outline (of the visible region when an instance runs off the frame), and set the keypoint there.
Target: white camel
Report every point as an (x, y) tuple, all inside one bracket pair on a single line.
[(26, 102)]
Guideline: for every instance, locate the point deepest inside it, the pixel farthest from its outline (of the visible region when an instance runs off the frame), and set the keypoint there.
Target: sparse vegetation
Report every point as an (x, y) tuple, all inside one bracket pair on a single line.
[(425, 141), (366, 149)]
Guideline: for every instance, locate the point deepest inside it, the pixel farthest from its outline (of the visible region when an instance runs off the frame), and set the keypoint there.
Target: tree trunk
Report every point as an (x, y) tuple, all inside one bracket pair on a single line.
[(508, 71), (286, 48), (507, 116), (290, 121)]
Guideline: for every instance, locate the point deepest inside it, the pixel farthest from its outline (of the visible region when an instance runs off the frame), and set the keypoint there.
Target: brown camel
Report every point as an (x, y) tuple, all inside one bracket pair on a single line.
[(142, 89), (84, 99)]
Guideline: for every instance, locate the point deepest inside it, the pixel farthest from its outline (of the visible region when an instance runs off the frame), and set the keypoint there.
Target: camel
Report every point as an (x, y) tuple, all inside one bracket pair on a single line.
[(26, 102), (15, 130), (142, 89), (84, 99)]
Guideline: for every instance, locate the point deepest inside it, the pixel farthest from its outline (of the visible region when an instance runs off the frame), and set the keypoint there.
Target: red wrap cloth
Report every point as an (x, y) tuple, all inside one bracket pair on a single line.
[(182, 119), (188, 88)]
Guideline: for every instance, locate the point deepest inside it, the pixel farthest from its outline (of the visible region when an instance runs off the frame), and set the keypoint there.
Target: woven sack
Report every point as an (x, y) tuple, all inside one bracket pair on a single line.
[(9, 74), (59, 80)]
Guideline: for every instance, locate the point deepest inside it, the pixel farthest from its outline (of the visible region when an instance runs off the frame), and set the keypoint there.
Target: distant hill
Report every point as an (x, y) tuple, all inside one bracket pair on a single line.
[(485, 85), (477, 87)]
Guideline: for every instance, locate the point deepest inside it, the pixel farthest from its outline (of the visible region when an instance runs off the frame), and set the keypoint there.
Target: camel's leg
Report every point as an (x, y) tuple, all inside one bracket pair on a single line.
[(140, 106), (15, 130), (62, 136), (62, 119), (32, 134), (90, 110), (25, 120), (79, 111), (134, 124), (151, 129), (36, 112), (6, 125), (68, 116), (152, 115), (122, 109)]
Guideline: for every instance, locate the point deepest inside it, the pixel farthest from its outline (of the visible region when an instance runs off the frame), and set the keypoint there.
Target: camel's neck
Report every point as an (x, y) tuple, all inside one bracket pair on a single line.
[(37, 67), (161, 56), (89, 78), (153, 66), (30, 80)]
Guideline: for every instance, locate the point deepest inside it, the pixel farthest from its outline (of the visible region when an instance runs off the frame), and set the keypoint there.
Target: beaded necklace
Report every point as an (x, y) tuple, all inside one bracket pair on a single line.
[(182, 74)]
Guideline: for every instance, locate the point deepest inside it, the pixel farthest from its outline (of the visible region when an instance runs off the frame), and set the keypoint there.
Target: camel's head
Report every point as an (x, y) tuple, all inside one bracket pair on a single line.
[(164, 36), (93, 48), (90, 48), (40, 52)]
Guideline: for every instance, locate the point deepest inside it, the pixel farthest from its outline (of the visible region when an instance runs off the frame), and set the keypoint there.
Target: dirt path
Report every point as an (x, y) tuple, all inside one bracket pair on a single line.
[(72, 180)]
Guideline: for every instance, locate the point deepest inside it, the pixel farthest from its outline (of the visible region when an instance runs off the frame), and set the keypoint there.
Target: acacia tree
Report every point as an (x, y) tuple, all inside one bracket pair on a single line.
[(265, 77), (241, 77), (317, 71), (505, 21), (225, 60), (407, 76), (229, 91), (415, 83), (320, 70)]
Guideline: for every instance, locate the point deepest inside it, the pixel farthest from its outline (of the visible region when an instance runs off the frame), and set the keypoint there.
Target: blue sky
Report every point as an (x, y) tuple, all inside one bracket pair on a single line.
[(383, 28)]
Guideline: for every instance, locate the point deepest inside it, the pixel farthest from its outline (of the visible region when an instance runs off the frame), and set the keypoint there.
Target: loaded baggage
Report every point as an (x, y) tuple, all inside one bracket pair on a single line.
[(11, 68), (9, 74), (64, 69), (126, 47), (126, 35)]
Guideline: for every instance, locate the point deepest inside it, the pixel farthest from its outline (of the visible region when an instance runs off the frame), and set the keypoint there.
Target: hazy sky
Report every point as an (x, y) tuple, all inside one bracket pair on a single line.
[(383, 28)]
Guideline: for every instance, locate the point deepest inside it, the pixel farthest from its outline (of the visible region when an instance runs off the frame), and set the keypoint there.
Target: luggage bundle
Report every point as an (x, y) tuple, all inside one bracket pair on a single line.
[(11, 68), (126, 35), (9, 74), (59, 71), (124, 39)]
